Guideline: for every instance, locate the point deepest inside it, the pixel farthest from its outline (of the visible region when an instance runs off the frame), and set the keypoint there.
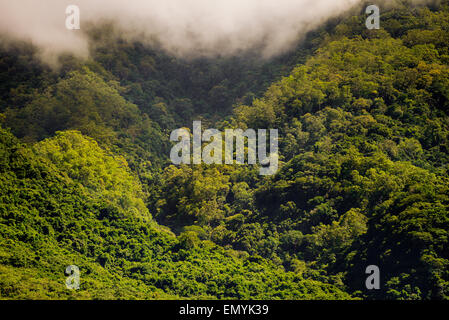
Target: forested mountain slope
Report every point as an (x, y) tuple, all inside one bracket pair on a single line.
[(363, 124), (364, 144), (66, 201)]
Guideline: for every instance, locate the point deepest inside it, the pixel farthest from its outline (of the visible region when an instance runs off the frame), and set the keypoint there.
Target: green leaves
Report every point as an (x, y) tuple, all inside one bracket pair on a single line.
[(67, 201), (105, 176)]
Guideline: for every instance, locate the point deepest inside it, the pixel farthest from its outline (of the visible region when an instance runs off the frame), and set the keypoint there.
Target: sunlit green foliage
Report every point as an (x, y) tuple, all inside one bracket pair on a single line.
[(58, 207), (363, 177)]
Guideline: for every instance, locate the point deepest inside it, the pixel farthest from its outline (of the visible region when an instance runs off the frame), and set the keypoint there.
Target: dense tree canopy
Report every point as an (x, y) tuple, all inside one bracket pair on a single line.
[(363, 119)]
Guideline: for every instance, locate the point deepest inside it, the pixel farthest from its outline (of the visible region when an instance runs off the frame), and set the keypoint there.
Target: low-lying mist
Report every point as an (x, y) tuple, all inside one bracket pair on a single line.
[(181, 27)]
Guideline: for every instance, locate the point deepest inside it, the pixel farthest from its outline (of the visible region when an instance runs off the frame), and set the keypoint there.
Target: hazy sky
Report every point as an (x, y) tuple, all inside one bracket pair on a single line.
[(183, 27)]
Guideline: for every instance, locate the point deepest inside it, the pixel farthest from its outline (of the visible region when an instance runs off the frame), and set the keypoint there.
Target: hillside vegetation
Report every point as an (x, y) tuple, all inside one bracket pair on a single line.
[(363, 119)]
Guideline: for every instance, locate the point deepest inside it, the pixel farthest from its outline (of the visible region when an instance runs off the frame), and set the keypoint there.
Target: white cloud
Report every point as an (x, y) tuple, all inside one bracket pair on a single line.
[(183, 27)]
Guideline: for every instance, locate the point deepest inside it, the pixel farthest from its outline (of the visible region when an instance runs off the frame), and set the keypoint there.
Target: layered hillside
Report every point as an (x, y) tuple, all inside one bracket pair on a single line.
[(363, 120), (66, 201)]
